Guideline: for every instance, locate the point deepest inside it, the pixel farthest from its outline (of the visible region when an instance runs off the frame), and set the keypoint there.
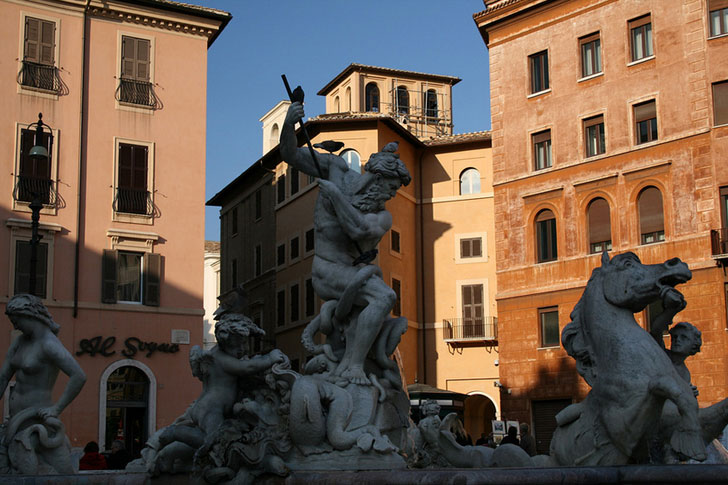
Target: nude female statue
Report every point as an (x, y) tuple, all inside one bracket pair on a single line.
[(34, 439)]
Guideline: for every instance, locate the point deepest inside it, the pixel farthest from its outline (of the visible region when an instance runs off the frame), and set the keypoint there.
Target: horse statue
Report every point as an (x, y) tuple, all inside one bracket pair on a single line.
[(630, 376)]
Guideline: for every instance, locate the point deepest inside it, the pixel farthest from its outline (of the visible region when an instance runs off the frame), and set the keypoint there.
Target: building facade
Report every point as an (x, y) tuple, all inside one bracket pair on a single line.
[(121, 256), (437, 257), (609, 129)]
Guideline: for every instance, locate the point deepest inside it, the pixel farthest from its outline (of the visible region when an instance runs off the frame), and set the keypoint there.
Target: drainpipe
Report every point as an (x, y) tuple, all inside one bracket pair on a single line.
[(423, 329), (81, 156)]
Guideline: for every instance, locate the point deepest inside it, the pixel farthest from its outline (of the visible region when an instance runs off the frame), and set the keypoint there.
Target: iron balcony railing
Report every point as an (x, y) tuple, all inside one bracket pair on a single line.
[(42, 76), (134, 201), (719, 242), (27, 188), (138, 92), (471, 329)]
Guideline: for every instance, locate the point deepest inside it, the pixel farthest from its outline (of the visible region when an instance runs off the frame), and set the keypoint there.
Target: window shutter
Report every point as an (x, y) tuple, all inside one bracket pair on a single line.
[(108, 275), (47, 42), (128, 56), (32, 40), (152, 278), (143, 47)]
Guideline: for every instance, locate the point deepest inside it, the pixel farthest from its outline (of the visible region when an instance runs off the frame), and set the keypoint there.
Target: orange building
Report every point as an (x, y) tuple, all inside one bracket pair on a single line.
[(609, 129), (438, 256), (122, 85)]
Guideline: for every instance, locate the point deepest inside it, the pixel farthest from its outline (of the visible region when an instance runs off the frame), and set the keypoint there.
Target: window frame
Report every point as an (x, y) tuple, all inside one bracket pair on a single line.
[(471, 184), (348, 155), (147, 219), (593, 39), (402, 100), (539, 138), (124, 105), (22, 206), (294, 304), (542, 313), (542, 223), (30, 90), (723, 121), (600, 135), (20, 230), (640, 23), (281, 248), (593, 247), (397, 288), (294, 180), (281, 300), (395, 241), (457, 243), (659, 235), (717, 6), (430, 106), (369, 105), (122, 240), (309, 297), (281, 189), (645, 118), (297, 257), (541, 59), (306, 250)]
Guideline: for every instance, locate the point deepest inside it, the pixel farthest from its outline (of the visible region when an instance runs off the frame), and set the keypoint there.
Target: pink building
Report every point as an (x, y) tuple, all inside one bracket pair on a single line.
[(123, 86)]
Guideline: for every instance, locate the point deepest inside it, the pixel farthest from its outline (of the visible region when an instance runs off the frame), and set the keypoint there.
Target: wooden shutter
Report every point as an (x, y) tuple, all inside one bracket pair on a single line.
[(40, 41), (133, 166), (135, 58), (108, 275), (47, 42), (152, 278), (32, 40)]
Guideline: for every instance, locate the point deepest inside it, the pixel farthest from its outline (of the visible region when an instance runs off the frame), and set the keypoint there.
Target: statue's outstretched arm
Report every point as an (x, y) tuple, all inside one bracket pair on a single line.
[(301, 158), (673, 302), (253, 365), (61, 358)]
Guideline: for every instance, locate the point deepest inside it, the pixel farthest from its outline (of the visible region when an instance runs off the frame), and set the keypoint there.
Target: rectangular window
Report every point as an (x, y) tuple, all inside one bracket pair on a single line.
[(281, 308), (640, 37), (395, 241), (34, 177), (591, 55), (541, 149), (720, 103), (281, 255), (281, 188), (309, 241), (234, 273), (234, 223), (295, 303), (539, 64), (397, 287), (645, 117), (294, 248), (471, 247), (258, 204), (472, 310), (131, 277), (134, 85), (294, 180), (546, 239), (258, 260), (718, 17), (132, 195), (310, 298), (39, 49), (22, 269), (594, 139), (549, 320)]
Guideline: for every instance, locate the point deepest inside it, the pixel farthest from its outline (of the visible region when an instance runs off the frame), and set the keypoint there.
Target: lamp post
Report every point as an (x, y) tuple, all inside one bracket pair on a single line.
[(38, 153)]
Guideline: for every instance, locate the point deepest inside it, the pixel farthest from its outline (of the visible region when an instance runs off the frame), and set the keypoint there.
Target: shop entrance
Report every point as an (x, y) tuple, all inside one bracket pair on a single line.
[(127, 403)]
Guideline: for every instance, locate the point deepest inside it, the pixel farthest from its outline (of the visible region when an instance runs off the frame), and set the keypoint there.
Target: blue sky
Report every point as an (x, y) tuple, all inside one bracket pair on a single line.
[(311, 42)]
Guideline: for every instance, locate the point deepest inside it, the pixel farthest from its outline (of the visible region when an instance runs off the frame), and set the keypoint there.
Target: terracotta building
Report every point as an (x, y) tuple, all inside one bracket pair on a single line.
[(609, 132), (122, 86), (438, 257)]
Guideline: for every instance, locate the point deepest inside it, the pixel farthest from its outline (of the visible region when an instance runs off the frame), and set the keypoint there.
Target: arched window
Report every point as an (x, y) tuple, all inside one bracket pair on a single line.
[(402, 100), (372, 97), (275, 135), (336, 105), (652, 219), (470, 181), (347, 100), (600, 226), (430, 104), (353, 160), (546, 236), (127, 400)]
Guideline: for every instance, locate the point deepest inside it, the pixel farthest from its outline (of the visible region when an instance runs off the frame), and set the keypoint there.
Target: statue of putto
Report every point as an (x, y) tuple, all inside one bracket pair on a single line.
[(33, 441)]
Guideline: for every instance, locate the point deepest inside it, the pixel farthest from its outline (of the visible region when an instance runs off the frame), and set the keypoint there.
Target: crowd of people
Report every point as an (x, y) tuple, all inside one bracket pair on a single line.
[(526, 441), (117, 459)]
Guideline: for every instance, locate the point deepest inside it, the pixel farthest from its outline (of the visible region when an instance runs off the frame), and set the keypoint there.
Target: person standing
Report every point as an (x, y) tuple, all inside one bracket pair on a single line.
[(528, 443)]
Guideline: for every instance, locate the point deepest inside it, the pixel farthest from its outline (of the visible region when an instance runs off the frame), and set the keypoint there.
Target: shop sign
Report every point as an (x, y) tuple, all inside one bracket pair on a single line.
[(132, 345)]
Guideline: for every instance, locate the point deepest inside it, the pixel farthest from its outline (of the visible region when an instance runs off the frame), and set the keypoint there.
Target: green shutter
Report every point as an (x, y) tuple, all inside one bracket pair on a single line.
[(152, 278), (108, 276)]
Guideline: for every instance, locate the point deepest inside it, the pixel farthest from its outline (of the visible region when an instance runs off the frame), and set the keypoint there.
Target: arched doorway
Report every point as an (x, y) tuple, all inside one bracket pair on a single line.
[(127, 405), (480, 410)]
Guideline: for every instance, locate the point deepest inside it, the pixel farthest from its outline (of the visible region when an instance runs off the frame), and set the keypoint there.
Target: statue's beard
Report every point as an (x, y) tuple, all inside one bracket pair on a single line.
[(369, 201)]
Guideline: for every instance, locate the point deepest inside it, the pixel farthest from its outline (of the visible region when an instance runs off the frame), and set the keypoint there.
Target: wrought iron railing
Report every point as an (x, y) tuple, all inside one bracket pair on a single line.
[(719, 241), (471, 329), (134, 201), (27, 188), (42, 76), (138, 92)]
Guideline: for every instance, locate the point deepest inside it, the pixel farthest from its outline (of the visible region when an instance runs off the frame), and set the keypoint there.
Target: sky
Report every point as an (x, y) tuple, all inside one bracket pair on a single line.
[(311, 41)]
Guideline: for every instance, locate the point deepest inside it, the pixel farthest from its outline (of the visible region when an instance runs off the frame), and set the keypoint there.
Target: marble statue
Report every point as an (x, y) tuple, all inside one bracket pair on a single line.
[(630, 375), (33, 441)]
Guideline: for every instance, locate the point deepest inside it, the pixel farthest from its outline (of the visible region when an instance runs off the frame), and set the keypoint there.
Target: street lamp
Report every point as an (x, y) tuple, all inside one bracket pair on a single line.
[(37, 154)]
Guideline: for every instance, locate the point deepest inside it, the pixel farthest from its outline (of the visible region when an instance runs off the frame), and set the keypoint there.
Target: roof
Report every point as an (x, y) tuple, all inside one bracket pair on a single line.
[(458, 138), (494, 5), (212, 246), (452, 80)]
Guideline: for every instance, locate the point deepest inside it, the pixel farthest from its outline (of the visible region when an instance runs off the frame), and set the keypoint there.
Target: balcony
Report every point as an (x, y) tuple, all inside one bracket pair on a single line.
[(42, 77), (134, 201), (140, 93), (27, 188), (475, 330), (719, 244)]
